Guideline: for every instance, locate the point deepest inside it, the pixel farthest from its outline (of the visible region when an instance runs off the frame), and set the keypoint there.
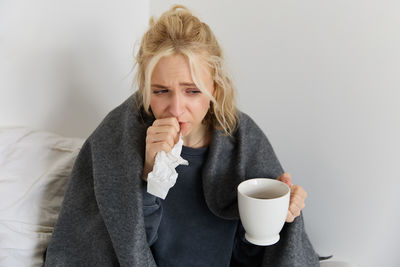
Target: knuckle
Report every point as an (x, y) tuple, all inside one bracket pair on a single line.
[(295, 189), (149, 130), (293, 215), (293, 210), (299, 197), (302, 191), (290, 217), (295, 198)]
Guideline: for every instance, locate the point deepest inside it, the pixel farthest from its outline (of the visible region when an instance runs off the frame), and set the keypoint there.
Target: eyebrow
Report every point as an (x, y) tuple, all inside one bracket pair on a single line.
[(166, 87)]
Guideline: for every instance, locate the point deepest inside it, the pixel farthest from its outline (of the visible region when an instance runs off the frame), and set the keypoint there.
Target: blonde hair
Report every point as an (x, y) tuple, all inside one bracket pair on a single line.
[(178, 31)]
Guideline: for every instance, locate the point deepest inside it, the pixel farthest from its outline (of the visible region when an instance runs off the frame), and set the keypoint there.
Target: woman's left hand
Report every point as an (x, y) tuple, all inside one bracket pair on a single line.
[(297, 197)]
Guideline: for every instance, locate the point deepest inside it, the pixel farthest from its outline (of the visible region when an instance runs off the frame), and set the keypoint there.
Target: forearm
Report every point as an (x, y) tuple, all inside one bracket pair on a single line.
[(152, 212)]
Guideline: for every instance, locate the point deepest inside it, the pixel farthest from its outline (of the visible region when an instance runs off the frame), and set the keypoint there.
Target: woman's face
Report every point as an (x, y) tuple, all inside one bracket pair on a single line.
[(174, 94)]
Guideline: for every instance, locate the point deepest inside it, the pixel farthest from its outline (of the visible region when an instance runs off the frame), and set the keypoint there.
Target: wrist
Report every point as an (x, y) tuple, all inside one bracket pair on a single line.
[(146, 171)]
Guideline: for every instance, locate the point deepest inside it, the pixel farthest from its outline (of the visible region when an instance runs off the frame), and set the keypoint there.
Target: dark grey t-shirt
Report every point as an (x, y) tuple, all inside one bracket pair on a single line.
[(181, 230)]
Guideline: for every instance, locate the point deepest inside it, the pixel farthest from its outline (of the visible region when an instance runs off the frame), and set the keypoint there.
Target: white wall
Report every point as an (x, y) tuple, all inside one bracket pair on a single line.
[(65, 64), (322, 78)]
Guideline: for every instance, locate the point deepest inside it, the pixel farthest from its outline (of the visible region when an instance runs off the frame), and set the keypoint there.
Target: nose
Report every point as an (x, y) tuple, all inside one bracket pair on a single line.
[(176, 105)]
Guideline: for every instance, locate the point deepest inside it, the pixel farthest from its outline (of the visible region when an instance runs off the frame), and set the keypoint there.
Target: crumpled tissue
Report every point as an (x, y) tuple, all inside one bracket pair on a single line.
[(164, 175)]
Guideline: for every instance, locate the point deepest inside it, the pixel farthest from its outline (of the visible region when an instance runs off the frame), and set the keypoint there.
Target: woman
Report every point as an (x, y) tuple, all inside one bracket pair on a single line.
[(109, 219)]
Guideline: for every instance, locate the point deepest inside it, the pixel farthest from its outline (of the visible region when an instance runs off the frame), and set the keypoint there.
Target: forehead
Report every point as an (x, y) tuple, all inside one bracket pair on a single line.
[(176, 68), (171, 68)]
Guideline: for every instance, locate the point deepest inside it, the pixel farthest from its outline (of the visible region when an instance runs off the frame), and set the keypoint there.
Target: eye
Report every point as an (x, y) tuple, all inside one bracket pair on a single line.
[(193, 91), (160, 91)]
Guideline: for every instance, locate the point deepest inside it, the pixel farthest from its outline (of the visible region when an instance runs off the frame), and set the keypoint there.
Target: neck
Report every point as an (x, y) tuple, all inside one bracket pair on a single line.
[(200, 138)]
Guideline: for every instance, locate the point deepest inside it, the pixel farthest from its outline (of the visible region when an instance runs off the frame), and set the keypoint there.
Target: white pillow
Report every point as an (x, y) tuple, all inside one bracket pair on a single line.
[(34, 171)]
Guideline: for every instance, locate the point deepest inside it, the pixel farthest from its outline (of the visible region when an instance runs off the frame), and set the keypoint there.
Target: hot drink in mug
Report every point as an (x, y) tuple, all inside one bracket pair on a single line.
[(263, 206)]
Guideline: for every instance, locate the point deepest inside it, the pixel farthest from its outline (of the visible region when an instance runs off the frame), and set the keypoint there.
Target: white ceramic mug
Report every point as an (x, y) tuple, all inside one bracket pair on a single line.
[(263, 207)]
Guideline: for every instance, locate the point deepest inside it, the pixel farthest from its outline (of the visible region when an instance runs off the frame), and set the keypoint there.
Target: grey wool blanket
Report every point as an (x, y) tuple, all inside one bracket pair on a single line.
[(101, 221)]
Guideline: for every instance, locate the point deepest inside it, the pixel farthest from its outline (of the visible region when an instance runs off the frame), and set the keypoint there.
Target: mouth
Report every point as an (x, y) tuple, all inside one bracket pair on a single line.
[(181, 123)]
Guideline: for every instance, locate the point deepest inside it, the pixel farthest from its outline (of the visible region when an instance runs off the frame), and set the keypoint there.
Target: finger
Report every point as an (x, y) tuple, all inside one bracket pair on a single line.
[(292, 214), (162, 129), (157, 147), (290, 217), (297, 198), (153, 130), (172, 121), (294, 209), (152, 150), (298, 190), (159, 138), (298, 201), (286, 178)]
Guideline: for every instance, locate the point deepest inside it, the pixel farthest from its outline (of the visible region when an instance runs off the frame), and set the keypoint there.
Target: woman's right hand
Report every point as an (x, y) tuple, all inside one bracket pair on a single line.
[(162, 135)]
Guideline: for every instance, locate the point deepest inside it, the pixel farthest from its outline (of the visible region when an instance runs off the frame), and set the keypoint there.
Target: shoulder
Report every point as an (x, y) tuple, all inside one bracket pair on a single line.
[(249, 134), (258, 154), (114, 119), (124, 117), (244, 119), (247, 126)]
